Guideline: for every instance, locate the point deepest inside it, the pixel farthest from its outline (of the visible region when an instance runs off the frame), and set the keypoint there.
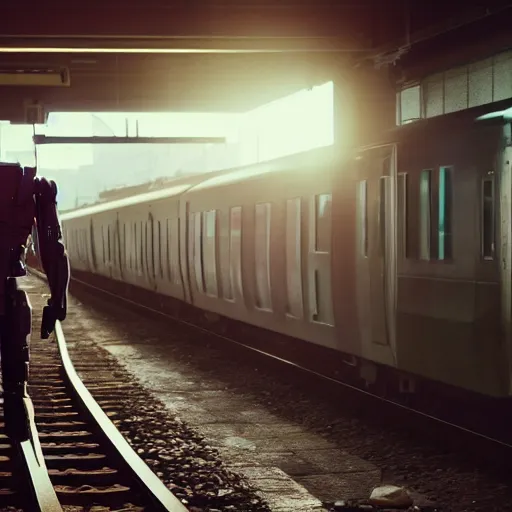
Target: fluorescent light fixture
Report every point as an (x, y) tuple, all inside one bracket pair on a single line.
[(132, 50), (180, 45), (49, 77)]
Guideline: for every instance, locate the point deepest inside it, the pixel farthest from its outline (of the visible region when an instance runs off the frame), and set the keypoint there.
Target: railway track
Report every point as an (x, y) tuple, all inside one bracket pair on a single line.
[(474, 445), (89, 462), (24, 482)]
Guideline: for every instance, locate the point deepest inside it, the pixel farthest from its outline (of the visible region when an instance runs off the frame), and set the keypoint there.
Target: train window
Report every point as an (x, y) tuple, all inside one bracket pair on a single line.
[(108, 245), (363, 218), (84, 243), (235, 249), (136, 247), (488, 219), (224, 236), (175, 250), (76, 244), (293, 257), (198, 252), (445, 214), (323, 222), (262, 256), (425, 213), (79, 241), (141, 250), (131, 248), (168, 246), (103, 242), (116, 244), (409, 105), (150, 249), (146, 250), (160, 265), (125, 252), (402, 214), (209, 252)]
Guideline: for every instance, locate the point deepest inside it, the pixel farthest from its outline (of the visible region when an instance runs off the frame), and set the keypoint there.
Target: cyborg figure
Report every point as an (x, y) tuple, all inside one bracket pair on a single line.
[(26, 202)]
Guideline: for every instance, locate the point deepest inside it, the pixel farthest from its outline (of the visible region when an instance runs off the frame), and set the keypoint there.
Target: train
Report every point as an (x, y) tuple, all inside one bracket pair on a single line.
[(396, 256)]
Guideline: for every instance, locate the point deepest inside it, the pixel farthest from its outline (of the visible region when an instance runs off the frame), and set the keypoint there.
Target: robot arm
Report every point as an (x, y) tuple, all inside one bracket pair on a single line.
[(52, 254)]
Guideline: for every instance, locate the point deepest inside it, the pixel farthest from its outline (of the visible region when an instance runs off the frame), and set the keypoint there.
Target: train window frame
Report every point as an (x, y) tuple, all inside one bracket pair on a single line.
[(134, 249), (175, 254), (403, 207), (488, 253), (263, 288), (78, 244), (414, 94), (198, 252), (227, 284), (209, 219), (362, 216), (103, 242), (109, 241), (141, 250), (445, 214), (168, 247), (125, 254), (160, 262), (235, 251), (109, 251), (294, 287), (131, 246), (425, 214), (137, 252), (319, 247), (149, 249)]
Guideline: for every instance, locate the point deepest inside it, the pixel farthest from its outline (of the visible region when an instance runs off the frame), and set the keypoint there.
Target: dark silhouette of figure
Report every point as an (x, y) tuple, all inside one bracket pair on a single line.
[(26, 203)]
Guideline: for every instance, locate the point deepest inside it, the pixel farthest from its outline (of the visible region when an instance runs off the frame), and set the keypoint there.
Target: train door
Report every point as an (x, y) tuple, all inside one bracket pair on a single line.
[(376, 263), (505, 253)]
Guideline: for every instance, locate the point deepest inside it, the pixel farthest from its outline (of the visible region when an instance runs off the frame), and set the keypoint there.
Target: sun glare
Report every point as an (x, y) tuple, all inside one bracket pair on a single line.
[(293, 124)]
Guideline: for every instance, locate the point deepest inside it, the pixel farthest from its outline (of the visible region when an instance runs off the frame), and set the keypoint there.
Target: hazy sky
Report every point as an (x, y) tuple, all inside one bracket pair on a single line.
[(298, 122)]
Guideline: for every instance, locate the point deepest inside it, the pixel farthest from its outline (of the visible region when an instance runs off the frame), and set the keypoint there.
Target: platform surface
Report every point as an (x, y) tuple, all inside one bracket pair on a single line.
[(294, 469)]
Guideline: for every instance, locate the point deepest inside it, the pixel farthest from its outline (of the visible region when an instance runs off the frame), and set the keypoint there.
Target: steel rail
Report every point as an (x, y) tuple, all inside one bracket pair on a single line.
[(149, 484), (495, 446), (42, 496), (496, 442)]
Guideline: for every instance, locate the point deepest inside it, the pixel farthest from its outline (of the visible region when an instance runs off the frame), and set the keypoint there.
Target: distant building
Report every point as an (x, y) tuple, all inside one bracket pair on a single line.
[(25, 158)]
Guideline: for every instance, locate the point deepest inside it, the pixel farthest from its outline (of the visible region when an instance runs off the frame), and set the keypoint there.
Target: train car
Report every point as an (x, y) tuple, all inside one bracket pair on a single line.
[(425, 286), (259, 245), (397, 257), (133, 240)]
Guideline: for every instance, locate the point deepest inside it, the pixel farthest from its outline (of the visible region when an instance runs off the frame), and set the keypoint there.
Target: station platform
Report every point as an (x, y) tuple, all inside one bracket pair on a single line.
[(291, 467)]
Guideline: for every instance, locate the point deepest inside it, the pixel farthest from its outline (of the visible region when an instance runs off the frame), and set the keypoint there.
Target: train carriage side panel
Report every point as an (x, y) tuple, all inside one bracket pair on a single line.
[(123, 238), (448, 294), (447, 284), (268, 211), (166, 247)]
